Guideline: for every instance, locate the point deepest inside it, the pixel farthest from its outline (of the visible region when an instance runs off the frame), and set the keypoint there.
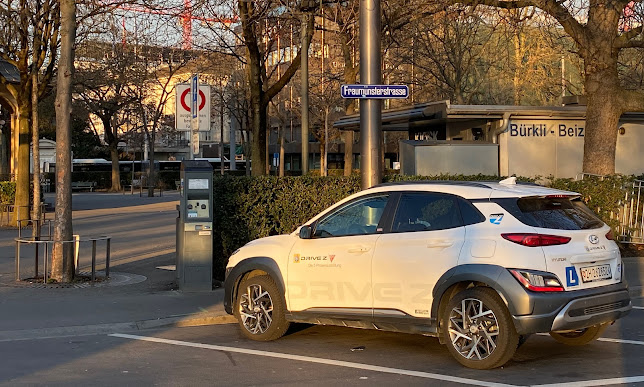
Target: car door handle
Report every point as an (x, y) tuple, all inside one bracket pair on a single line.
[(358, 249), (439, 244)]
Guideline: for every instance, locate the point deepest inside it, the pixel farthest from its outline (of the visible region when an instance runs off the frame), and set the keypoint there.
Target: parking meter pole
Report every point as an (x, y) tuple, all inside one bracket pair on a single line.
[(194, 227), (370, 74)]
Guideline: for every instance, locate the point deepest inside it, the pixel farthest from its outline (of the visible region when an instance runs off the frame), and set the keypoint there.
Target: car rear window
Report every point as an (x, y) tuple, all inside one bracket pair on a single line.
[(557, 213)]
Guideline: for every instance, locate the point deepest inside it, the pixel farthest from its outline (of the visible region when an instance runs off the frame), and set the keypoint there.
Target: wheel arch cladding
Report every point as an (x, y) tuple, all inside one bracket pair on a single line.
[(494, 276), (248, 265)]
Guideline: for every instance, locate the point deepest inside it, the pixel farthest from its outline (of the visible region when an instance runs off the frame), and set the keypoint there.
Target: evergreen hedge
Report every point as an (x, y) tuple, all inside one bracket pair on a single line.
[(7, 192), (247, 208)]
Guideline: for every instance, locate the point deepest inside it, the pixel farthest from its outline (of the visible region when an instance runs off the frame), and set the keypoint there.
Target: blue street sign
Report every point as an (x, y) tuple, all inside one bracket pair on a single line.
[(374, 91), (194, 90)]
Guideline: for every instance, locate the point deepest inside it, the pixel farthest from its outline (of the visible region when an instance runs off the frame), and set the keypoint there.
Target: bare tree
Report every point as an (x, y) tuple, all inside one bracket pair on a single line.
[(62, 262), (102, 85), (596, 27), (262, 22), (159, 70)]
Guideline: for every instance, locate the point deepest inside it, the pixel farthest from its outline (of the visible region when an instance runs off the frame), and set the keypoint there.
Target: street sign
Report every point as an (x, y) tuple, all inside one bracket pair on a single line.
[(374, 91), (183, 108)]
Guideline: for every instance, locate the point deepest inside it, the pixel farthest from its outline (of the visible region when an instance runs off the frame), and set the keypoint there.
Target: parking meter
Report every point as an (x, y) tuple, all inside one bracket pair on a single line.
[(194, 227)]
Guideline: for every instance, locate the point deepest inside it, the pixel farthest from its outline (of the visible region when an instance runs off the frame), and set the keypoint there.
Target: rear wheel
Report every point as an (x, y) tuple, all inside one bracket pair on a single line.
[(259, 309), (580, 336), (478, 330)]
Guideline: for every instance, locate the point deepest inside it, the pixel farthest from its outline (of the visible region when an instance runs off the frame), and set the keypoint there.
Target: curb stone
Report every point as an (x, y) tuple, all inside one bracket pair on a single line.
[(191, 320)]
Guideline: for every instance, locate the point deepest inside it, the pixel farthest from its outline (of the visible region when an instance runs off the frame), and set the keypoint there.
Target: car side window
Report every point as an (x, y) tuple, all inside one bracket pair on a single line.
[(359, 217), (426, 212)]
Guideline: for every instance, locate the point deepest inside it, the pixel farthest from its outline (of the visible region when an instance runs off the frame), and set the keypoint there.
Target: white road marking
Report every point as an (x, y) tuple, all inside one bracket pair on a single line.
[(609, 340), (598, 382), (397, 371), (638, 307), (620, 341), (338, 363)]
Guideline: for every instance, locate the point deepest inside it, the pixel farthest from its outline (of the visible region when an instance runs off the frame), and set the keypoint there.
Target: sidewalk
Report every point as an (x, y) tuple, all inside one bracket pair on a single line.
[(138, 296)]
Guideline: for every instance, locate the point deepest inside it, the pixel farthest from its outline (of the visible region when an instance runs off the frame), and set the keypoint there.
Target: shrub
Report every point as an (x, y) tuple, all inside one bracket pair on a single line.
[(247, 208), (7, 192), (604, 196)]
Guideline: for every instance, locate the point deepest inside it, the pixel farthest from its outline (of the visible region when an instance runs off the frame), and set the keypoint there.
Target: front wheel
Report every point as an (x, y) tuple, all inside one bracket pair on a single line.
[(478, 329), (580, 336), (259, 309)]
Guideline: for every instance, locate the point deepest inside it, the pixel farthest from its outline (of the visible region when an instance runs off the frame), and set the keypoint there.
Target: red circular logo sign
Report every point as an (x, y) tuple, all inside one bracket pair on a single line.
[(186, 105)]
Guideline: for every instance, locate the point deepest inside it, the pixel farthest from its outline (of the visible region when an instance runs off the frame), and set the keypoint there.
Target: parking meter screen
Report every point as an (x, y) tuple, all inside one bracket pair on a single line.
[(197, 183)]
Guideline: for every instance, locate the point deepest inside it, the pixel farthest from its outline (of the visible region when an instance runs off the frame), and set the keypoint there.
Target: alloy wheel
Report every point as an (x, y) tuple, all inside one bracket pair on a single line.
[(473, 329), (256, 309)]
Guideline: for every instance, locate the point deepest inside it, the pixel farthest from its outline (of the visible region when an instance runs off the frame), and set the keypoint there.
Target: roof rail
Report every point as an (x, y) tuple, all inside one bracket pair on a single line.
[(479, 184), (437, 182)]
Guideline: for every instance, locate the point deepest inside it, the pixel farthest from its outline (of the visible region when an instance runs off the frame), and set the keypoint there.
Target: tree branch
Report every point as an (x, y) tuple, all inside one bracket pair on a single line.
[(553, 7), (633, 100)]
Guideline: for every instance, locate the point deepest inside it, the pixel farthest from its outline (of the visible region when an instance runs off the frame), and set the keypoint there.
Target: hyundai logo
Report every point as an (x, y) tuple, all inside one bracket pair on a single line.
[(594, 239)]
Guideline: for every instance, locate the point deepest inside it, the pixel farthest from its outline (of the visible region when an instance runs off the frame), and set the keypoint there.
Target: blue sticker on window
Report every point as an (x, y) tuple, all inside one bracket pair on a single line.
[(571, 276), (496, 218)]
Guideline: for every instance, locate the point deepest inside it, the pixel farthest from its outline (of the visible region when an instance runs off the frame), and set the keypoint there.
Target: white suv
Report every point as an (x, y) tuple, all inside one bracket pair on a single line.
[(479, 265)]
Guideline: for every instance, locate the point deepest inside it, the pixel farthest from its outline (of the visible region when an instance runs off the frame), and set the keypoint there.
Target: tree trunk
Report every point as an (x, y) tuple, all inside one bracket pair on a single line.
[(21, 208), (62, 255), (518, 61), (35, 146), (152, 172), (116, 172), (282, 150), (603, 112), (258, 141), (347, 136)]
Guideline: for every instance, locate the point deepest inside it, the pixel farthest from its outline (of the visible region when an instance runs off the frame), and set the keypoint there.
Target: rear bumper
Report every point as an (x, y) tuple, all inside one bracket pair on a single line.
[(575, 310)]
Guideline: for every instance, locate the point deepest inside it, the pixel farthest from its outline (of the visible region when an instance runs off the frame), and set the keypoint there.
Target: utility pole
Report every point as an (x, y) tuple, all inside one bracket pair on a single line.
[(370, 74), (304, 67), (221, 127)]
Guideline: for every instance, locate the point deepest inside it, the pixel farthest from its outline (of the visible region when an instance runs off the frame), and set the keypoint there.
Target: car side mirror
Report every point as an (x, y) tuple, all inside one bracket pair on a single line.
[(305, 232)]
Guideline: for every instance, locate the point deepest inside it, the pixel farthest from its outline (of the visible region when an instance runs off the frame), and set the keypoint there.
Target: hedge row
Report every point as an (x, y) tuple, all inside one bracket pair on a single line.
[(7, 192), (247, 208)]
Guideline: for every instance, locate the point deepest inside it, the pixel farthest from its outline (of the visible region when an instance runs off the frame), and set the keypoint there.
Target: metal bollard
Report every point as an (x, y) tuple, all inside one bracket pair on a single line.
[(45, 259), (93, 260), (107, 258), (17, 261)]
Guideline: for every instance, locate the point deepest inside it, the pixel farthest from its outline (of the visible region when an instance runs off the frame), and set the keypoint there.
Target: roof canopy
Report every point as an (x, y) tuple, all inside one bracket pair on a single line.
[(437, 114)]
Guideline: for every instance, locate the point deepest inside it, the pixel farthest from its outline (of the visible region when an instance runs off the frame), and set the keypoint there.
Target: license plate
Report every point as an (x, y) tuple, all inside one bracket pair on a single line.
[(595, 273)]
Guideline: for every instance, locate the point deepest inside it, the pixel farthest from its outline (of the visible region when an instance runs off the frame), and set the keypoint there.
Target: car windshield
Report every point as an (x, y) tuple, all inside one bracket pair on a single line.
[(558, 213)]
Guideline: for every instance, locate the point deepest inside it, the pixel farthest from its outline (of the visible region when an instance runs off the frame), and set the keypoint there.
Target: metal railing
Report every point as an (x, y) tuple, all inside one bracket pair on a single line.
[(47, 253), (631, 227), (6, 211)]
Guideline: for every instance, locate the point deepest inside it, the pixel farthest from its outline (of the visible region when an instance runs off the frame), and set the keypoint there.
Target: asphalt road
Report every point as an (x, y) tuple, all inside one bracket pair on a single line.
[(318, 355)]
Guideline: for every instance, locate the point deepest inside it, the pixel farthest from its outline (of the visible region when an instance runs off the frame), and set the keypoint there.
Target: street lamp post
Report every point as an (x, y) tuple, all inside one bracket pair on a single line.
[(370, 74)]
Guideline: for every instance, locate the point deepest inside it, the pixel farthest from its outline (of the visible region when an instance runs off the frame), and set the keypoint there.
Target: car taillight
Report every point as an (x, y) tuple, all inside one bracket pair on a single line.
[(537, 281), (536, 240), (609, 235)]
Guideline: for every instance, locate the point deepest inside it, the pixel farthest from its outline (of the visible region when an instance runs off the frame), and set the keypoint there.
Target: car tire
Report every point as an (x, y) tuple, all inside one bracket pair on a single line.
[(580, 336), (478, 330), (259, 309)]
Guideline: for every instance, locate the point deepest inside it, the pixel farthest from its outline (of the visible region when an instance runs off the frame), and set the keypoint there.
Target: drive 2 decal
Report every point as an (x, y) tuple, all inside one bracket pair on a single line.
[(496, 218)]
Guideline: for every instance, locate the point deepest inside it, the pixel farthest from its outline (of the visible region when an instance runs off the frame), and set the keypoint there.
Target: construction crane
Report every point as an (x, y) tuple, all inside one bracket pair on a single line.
[(185, 16)]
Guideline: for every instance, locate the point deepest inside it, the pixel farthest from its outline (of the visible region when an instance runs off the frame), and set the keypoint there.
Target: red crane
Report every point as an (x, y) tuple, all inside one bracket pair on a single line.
[(185, 16)]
